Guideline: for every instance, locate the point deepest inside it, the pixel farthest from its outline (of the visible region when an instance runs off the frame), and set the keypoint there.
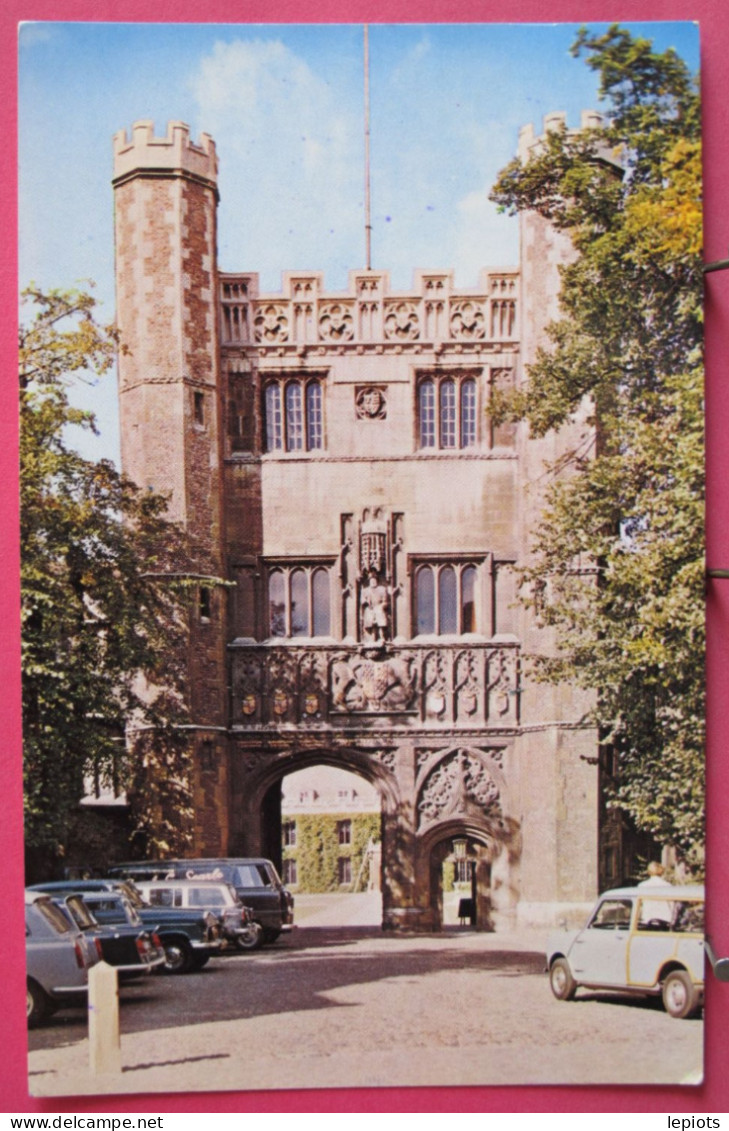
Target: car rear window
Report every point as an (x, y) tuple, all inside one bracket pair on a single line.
[(251, 876), (164, 897), (688, 916), (54, 916), (206, 897), (80, 912)]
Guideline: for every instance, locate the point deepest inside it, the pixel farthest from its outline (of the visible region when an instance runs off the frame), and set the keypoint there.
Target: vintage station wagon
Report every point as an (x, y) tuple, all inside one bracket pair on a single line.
[(641, 940)]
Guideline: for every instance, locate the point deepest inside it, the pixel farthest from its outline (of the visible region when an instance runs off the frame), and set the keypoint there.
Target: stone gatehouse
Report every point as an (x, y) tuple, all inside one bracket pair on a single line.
[(333, 455)]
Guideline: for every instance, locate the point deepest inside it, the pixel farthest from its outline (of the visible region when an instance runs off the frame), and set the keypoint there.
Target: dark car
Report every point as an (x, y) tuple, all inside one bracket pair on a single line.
[(126, 887), (189, 936), (124, 944), (256, 882)]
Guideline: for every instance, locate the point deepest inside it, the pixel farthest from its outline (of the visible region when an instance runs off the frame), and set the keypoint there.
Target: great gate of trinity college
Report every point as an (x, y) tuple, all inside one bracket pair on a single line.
[(333, 456)]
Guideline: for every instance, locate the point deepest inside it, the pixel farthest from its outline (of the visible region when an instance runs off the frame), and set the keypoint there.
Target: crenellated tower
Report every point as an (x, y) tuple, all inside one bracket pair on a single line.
[(560, 752), (165, 192)]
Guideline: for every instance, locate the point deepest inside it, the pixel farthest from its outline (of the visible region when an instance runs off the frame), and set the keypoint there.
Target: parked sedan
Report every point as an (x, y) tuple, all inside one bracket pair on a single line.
[(58, 958), (256, 882), (188, 936), (237, 924), (126, 945), (644, 940)]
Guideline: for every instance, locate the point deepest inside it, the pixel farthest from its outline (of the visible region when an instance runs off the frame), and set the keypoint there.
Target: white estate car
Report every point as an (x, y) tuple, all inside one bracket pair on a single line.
[(641, 940)]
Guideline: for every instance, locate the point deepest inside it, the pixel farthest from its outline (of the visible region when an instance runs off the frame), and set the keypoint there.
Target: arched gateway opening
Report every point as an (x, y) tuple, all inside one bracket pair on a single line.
[(328, 820), (330, 845), (439, 832), (460, 887)]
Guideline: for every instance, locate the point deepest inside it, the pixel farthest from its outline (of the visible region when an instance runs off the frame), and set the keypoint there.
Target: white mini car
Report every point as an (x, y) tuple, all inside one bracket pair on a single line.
[(642, 940)]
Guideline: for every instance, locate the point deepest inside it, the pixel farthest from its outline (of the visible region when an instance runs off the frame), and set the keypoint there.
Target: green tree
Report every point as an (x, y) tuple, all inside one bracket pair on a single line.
[(101, 634), (617, 565)]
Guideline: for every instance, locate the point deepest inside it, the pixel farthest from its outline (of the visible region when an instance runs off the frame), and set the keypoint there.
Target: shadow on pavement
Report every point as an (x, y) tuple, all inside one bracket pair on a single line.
[(298, 973)]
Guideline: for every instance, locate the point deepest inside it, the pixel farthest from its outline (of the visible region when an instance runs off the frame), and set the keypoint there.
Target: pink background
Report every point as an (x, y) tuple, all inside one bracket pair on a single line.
[(713, 1096)]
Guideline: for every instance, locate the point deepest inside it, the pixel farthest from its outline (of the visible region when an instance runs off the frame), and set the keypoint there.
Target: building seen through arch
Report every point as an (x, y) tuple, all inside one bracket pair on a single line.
[(333, 455)]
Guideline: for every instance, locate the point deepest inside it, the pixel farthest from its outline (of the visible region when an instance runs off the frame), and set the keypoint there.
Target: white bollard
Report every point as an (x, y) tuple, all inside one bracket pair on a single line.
[(104, 1042)]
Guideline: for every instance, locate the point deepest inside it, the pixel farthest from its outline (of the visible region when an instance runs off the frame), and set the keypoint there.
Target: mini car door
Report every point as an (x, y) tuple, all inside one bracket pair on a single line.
[(666, 931), (599, 954)]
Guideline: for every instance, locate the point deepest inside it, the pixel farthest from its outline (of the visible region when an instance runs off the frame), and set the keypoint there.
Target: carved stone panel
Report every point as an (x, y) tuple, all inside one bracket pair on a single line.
[(467, 321), (247, 686), (271, 323), (468, 687), (312, 686), (370, 402), (502, 680), (401, 321), (460, 785), (363, 684), (336, 323)]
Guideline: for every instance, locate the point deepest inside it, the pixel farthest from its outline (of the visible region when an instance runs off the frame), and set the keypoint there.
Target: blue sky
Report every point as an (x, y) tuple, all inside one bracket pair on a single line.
[(284, 104)]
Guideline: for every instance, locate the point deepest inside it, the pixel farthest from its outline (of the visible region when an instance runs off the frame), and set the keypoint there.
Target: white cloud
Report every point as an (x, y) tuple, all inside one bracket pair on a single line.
[(30, 33), (484, 238), (291, 163)]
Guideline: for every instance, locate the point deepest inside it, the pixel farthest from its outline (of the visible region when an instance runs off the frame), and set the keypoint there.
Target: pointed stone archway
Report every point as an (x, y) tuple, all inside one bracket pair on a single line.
[(259, 821), (462, 797)]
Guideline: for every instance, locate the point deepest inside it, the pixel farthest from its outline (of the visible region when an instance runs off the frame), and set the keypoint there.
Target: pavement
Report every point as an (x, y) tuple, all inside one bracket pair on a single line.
[(333, 1006)]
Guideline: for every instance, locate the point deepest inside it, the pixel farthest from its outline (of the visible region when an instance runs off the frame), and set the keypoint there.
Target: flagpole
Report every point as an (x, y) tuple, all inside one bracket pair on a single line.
[(368, 220)]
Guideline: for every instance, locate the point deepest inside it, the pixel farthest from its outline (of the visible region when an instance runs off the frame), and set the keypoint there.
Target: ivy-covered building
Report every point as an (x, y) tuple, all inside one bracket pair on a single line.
[(330, 832)]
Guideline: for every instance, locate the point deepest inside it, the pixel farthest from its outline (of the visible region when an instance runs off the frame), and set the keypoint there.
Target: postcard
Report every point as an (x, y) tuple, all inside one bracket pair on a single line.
[(362, 535)]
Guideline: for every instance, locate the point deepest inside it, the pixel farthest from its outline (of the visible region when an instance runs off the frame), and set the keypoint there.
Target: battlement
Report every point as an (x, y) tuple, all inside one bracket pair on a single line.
[(530, 142), (175, 153)]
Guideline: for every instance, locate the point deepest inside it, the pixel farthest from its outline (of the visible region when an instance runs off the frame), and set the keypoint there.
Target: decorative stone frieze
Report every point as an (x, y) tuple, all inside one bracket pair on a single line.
[(446, 686)]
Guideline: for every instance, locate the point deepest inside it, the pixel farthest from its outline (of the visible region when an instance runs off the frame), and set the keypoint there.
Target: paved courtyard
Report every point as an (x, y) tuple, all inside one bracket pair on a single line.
[(332, 1006)]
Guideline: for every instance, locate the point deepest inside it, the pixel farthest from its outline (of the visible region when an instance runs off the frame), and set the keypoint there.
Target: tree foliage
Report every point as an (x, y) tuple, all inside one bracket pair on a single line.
[(617, 566), (102, 637)]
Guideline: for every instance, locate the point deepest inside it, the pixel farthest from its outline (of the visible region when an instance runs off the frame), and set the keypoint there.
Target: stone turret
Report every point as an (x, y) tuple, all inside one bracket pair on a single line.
[(165, 195), (562, 760), (165, 216)]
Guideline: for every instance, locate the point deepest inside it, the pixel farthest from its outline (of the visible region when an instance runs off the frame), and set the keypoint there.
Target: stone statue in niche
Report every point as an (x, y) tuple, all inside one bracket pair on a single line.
[(375, 606)]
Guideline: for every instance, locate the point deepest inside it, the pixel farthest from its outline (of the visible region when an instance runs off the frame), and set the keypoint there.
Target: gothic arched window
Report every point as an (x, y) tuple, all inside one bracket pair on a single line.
[(299, 601), (426, 412), (445, 599), (294, 416), (447, 408)]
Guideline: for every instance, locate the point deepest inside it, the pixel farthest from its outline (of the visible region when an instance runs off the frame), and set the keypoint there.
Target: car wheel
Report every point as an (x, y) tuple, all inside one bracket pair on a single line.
[(680, 996), (561, 982), (38, 1004), (251, 939), (178, 956)]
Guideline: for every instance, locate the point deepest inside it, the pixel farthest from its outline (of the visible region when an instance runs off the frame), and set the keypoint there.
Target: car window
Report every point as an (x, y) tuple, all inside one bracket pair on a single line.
[(80, 912), (103, 904), (164, 897), (54, 916), (655, 915), (688, 916), (205, 897), (251, 876), (612, 915)]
